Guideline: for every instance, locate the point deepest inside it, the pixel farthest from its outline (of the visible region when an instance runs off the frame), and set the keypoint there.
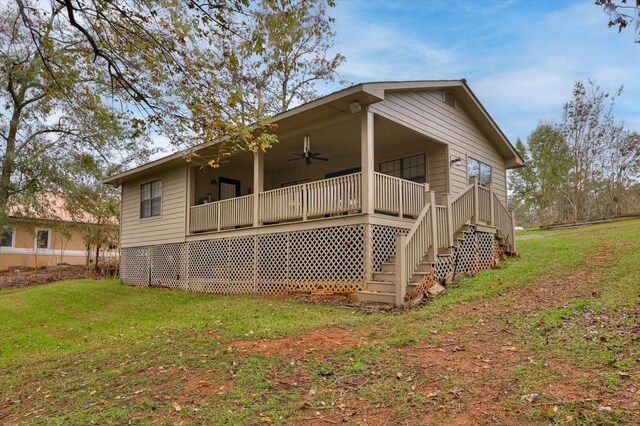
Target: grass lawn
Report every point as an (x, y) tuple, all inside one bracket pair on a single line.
[(551, 337)]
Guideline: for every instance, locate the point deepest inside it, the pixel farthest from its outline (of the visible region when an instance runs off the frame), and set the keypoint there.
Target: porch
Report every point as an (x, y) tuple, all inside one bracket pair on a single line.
[(361, 165)]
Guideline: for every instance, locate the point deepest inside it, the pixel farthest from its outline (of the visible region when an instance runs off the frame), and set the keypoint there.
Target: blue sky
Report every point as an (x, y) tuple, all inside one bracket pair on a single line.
[(520, 57)]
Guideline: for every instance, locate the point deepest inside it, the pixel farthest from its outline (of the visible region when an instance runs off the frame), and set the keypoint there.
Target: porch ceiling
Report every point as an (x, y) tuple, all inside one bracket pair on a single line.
[(337, 140)]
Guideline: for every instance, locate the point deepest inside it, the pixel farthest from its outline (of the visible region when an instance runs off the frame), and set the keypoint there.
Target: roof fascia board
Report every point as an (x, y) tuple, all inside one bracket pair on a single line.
[(518, 159)]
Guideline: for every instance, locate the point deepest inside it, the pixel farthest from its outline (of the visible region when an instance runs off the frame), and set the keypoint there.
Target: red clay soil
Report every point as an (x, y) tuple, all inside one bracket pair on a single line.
[(482, 356), (299, 346)]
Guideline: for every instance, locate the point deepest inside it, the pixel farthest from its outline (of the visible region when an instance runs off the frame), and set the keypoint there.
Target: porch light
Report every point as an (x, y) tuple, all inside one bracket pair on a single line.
[(355, 107), (455, 162)]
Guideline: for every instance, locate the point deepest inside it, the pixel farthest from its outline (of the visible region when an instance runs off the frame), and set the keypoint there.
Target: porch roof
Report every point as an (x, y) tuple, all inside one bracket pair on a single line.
[(338, 103)]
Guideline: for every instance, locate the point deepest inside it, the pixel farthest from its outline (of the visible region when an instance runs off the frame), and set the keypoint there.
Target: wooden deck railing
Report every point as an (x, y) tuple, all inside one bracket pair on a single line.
[(462, 208), (484, 204), (223, 214), (442, 226), (398, 196), (504, 221), (334, 196), (282, 204)]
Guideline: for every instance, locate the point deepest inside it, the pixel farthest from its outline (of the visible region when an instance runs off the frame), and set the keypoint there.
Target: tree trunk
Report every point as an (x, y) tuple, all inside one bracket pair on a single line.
[(8, 160), (97, 257)]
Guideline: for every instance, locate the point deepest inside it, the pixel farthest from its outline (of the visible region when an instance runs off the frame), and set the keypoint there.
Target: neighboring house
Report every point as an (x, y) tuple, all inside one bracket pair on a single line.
[(52, 237), (411, 179)]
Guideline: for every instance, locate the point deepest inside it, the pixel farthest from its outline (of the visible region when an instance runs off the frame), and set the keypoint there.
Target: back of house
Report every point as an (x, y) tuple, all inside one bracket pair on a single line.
[(325, 207)]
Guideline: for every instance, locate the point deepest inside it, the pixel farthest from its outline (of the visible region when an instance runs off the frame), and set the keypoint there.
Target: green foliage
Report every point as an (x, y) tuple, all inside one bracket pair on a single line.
[(198, 71), (69, 346), (584, 167), (61, 125)]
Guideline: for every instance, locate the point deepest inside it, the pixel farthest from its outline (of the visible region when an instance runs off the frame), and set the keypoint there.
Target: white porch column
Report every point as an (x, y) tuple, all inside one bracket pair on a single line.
[(258, 184), (367, 162)]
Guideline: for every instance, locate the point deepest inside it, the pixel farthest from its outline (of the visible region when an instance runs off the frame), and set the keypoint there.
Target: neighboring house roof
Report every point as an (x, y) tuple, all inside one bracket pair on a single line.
[(53, 207), (365, 94)]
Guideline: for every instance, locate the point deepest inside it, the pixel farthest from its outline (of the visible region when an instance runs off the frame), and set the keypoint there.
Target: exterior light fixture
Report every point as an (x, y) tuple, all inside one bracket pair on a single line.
[(355, 107), (455, 162)]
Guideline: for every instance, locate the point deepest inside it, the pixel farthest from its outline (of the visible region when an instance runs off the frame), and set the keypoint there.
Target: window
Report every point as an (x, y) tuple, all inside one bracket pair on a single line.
[(42, 238), (409, 168), (6, 237), (151, 199), (480, 169)]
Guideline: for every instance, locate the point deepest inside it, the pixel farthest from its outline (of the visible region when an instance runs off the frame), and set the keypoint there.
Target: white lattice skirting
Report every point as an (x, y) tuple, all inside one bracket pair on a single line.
[(331, 258)]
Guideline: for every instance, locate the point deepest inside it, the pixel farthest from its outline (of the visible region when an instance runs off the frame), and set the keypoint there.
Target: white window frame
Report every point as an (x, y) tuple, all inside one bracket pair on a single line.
[(480, 163), (150, 182), (13, 237), (403, 157), (49, 236)]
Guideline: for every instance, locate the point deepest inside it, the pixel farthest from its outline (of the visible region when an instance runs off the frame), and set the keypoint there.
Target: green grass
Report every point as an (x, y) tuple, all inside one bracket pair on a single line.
[(99, 351)]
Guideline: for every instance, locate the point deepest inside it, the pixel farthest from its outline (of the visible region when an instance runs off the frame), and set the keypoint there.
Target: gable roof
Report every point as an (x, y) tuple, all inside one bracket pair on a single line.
[(365, 94), (53, 207)]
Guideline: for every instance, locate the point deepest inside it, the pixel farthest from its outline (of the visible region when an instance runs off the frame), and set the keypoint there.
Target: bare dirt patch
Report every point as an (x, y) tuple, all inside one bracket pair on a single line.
[(298, 346)]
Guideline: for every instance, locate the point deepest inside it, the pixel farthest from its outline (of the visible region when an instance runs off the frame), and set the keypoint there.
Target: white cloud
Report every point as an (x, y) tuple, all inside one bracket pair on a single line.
[(521, 62)]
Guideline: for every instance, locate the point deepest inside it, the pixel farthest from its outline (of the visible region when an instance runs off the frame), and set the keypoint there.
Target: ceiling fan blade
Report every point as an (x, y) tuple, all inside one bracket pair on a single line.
[(320, 158), (294, 159)]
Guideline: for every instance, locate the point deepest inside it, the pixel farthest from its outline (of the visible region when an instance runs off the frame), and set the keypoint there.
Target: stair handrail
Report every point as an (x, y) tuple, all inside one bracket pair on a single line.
[(410, 249), (504, 221), (459, 218)]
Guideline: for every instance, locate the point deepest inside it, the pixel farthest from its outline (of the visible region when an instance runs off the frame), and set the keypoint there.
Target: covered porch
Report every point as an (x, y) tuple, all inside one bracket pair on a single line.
[(367, 165)]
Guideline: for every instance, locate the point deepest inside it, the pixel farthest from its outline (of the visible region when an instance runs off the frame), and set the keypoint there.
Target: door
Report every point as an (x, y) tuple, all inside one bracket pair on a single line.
[(228, 188)]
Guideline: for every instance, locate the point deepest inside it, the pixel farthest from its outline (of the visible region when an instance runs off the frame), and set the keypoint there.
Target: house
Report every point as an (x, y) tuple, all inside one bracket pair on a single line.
[(53, 236), (369, 190)]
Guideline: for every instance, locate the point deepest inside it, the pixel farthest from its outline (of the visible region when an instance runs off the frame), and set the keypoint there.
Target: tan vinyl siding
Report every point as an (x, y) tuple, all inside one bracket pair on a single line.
[(437, 170), (426, 113), (169, 227)]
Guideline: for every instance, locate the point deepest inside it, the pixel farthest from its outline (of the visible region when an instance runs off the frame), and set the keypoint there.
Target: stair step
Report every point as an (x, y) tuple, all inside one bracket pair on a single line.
[(417, 277), (376, 296), (425, 267), (384, 276), (388, 267), (381, 286)]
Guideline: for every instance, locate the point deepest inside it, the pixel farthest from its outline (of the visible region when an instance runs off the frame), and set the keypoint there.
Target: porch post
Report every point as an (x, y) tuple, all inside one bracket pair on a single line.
[(432, 252), (513, 231), (476, 201), (258, 184), (400, 268), (447, 202), (367, 162)]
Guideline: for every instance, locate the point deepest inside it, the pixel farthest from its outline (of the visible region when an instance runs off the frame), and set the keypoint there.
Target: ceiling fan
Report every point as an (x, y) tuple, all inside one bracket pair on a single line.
[(307, 155)]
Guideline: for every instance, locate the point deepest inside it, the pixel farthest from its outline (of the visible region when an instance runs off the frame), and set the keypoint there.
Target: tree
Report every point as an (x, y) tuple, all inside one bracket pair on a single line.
[(587, 127), (522, 186), (59, 116), (297, 38), (173, 60), (542, 185), (621, 164), (622, 13), (587, 166)]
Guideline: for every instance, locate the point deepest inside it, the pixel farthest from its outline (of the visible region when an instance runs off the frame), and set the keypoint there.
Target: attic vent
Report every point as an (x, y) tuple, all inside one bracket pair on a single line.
[(449, 99)]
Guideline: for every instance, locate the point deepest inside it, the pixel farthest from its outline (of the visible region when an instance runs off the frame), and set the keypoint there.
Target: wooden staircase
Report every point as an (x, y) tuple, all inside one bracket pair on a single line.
[(382, 288), (438, 231)]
